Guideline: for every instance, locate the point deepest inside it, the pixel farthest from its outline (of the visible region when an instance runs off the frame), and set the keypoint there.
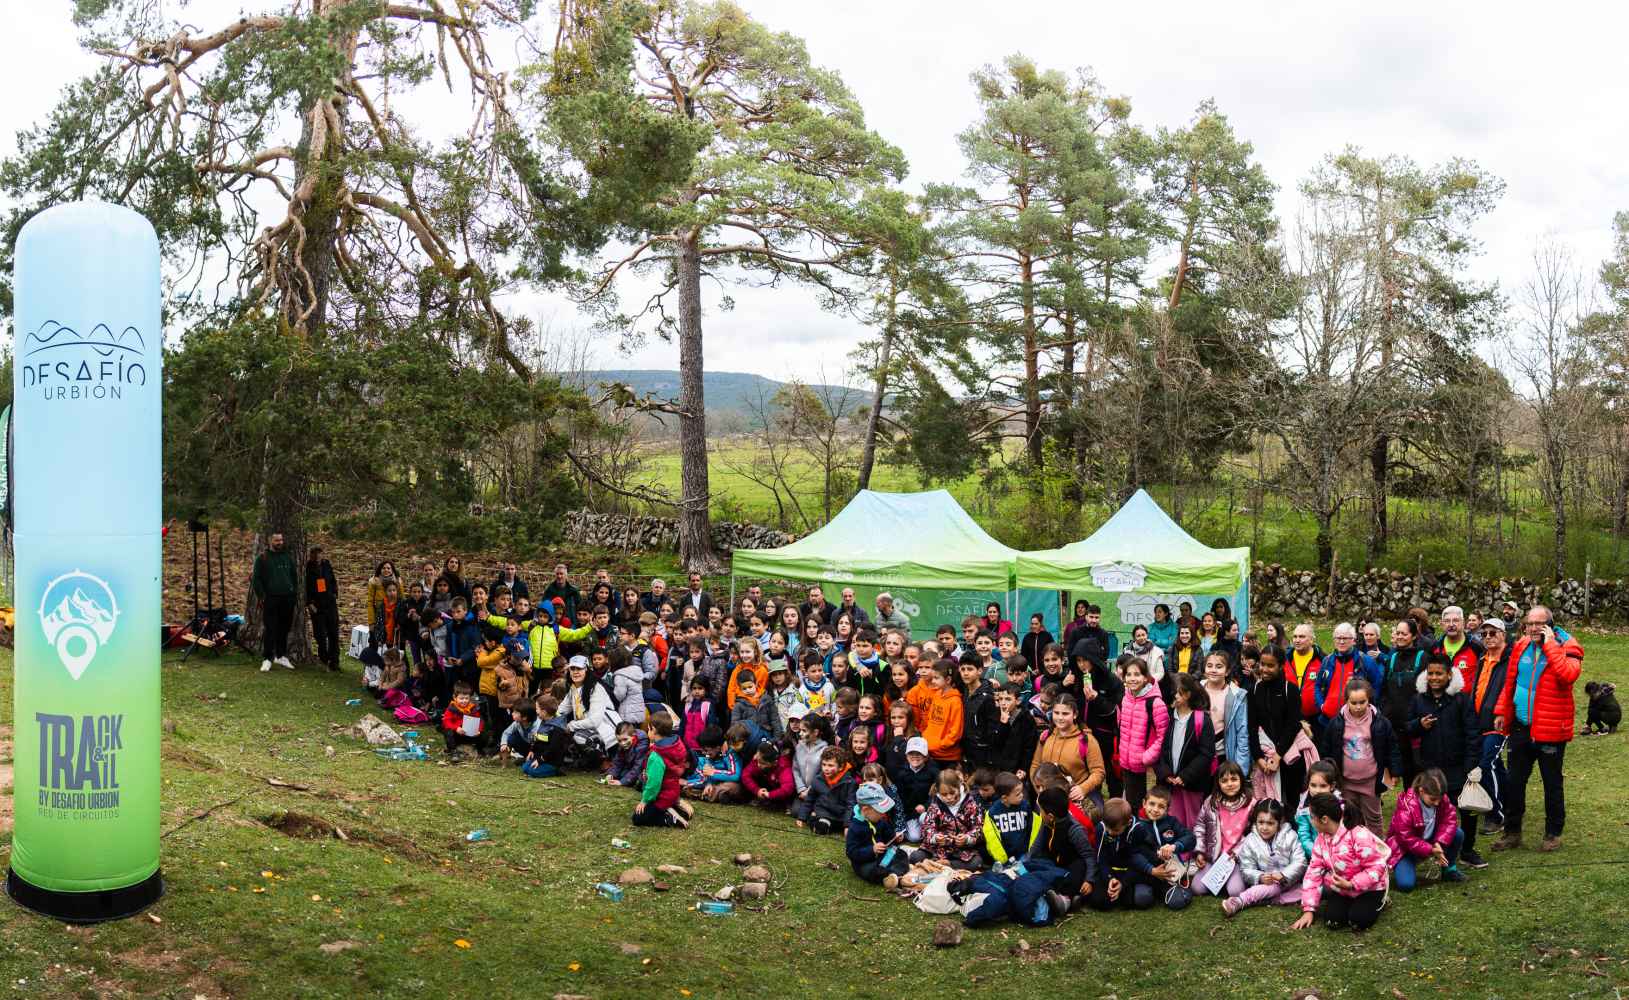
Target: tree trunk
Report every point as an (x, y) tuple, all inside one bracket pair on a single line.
[(1326, 545), (1187, 246), (1558, 503), (696, 551), (1070, 441), (868, 453), (1032, 368), (1379, 470)]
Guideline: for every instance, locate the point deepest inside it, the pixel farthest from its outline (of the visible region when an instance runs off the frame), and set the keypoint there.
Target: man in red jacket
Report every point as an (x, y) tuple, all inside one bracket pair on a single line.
[(1536, 709)]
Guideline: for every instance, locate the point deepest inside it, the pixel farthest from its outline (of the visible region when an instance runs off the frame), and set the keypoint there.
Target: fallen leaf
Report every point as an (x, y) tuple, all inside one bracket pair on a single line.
[(267, 875), (155, 918), (461, 943), (683, 991), (260, 888), (574, 967), (316, 898)]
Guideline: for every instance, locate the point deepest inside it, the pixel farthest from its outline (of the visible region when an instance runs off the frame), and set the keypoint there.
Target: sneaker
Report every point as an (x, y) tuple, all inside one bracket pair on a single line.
[(282, 661), (890, 882), (1550, 844), (265, 666), (1056, 904), (1454, 875), (1230, 905), (1492, 829), (1471, 859), (1509, 840)]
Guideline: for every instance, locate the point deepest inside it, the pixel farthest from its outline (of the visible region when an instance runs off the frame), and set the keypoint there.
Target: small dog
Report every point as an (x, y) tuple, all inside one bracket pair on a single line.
[(1604, 711)]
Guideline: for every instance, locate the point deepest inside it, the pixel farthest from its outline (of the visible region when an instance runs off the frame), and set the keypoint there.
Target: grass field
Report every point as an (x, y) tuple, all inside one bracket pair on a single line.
[(255, 895), (1429, 533)]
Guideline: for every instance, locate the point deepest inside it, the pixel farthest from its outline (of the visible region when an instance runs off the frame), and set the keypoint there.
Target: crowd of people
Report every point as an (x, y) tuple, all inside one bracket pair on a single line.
[(1000, 773)]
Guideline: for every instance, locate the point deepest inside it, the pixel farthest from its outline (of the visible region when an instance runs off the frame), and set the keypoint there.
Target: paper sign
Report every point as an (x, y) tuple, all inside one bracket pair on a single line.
[(1216, 878), (471, 726)]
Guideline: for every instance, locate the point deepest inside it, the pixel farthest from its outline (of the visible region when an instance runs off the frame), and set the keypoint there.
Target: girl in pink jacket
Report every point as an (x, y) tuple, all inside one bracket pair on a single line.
[(1425, 827), (1143, 721), (1346, 876)]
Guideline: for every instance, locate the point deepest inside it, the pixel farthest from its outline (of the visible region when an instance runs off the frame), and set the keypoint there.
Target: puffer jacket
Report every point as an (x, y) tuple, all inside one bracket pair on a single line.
[(1405, 836), (628, 763), (1401, 667), (1546, 699), (1140, 738), (1284, 855), (953, 833), (1388, 754), (1355, 854), (628, 688), (1453, 742), (1325, 696), (1076, 755), (776, 779), (664, 769), (1207, 826)]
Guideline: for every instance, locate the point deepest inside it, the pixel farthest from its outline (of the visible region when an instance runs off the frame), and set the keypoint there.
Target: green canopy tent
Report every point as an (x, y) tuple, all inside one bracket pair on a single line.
[(922, 548), (1137, 559)]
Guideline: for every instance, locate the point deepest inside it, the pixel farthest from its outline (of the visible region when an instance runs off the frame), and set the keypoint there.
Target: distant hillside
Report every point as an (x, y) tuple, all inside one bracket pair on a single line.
[(726, 392)]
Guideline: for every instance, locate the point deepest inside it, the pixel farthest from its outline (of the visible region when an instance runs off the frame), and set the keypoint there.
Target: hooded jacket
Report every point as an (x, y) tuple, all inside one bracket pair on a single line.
[(915, 787), (776, 779), (1076, 755), (628, 690), (1405, 836), (1355, 854), (1274, 707), (1540, 697), (1149, 835), (1284, 855), (1453, 743), (1143, 722), (760, 714), (861, 834), (937, 714), (1387, 751), (833, 800), (806, 763), (1067, 844), (951, 832), (1328, 692), (1194, 764), (1011, 744)]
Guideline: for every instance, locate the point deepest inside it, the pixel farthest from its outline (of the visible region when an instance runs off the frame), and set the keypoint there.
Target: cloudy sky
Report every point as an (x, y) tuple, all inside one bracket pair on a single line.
[(1536, 96)]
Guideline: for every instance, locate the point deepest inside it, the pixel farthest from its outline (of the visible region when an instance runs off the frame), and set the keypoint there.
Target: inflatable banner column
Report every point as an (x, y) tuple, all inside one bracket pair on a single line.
[(87, 352)]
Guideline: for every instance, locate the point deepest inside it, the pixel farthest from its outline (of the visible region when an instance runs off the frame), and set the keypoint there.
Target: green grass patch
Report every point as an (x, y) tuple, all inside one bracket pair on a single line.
[(404, 887)]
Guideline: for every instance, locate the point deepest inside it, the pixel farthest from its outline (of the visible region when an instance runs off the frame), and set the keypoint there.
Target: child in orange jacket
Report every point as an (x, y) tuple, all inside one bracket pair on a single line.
[(453, 727), (936, 710)]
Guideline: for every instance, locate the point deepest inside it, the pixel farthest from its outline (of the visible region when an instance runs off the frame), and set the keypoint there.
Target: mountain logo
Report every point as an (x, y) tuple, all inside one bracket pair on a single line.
[(53, 336), (77, 614)]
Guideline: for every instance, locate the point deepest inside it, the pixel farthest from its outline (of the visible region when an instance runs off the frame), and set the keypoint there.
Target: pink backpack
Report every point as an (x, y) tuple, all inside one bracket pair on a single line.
[(406, 712)]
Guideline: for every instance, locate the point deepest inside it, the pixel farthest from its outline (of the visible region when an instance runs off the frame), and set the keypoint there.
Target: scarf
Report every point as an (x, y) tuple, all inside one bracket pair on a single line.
[(1139, 648)]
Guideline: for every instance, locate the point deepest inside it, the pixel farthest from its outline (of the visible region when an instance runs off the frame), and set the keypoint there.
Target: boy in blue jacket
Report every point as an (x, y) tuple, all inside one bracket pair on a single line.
[(1010, 825), (1161, 836), (717, 777), (871, 840), (1124, 866)]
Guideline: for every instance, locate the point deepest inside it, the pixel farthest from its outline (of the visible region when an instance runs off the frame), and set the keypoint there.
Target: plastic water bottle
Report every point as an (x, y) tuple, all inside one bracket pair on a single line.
[(716, 907), (610, 890), (476, 836), (353, 701), (620, 844)]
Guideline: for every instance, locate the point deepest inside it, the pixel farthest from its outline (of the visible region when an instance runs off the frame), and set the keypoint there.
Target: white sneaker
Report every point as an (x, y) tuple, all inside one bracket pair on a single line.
[(282, 661), (265, 666)]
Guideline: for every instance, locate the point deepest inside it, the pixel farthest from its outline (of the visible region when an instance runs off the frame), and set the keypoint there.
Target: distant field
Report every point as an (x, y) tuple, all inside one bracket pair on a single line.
[(1425, 533)]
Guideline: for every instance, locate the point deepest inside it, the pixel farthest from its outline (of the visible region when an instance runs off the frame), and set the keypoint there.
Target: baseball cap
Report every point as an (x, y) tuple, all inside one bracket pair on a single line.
[(871, 794), (797, 711), (916, 744), (1497, 624), (578, 661)]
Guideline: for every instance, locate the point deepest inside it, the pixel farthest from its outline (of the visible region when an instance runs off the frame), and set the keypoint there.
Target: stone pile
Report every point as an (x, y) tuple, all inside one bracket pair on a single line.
[(1278, 592), (621, 531)]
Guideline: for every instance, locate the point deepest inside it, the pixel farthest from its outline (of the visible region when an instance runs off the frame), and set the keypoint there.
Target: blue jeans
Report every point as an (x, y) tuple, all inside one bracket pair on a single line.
[(1494, 776), (1404, 875)]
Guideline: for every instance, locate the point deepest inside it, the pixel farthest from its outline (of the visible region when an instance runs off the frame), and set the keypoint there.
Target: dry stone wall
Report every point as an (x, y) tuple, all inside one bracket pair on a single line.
[(1278, 592), (645, 534)]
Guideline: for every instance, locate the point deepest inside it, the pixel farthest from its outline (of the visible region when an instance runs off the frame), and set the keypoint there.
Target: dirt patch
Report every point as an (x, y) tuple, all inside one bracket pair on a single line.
[(304, 826), (1046, 951), (191, 759)]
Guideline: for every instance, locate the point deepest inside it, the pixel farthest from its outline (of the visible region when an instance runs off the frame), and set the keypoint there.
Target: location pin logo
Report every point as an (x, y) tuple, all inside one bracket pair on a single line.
[(77, 614)]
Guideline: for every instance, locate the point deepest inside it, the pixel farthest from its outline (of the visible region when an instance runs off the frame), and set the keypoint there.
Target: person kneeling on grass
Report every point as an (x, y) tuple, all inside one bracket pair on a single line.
[(628, 759), (1425, 827), (659, 803), (717, 777), (461, 724), (1345, 880)]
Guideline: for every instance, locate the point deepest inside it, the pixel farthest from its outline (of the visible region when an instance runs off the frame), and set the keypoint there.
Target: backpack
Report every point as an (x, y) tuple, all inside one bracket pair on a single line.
[(409, 714)]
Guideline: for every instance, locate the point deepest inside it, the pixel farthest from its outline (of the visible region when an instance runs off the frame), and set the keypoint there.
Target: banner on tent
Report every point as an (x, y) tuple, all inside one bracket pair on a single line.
[(930, 607), (1123, 610)]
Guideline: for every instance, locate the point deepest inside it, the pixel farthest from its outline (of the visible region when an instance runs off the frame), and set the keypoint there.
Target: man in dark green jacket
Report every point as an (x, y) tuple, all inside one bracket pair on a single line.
[(276, 585)]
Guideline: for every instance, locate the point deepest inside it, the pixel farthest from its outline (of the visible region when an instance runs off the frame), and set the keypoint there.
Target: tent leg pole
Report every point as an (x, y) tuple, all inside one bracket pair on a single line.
[(732, 593)]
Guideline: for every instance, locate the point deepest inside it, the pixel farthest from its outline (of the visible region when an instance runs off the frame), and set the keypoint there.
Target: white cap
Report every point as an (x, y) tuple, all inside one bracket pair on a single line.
[(916, 744), (797, 711), (578, 661), (1497, 624)]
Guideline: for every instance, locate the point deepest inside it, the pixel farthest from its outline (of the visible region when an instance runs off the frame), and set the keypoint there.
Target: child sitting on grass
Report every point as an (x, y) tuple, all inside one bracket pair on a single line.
[(754, 708), (831, 795), (1345, 882), (461, 724), (1270, 860), (951, 825), (916, 781), (1123, 865), (628, 759), (871, 840), (659, 802), (768, 779), (517, 738), (1224, 820), (717, 777), (546, 757)]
